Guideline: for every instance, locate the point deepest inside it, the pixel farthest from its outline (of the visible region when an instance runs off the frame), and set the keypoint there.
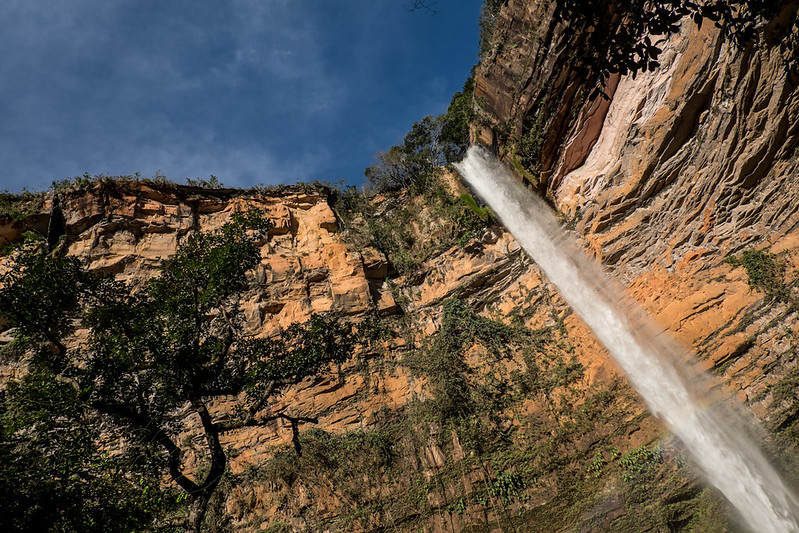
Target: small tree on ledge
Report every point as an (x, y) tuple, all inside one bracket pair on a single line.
[(158, 355)]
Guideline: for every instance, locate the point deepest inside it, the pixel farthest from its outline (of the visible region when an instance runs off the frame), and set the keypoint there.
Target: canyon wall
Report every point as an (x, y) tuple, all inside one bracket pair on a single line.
[(678, 169), (124, 228)]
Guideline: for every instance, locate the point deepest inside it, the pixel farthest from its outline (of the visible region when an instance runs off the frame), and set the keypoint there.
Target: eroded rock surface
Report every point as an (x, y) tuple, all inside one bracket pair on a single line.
[(682, 167)]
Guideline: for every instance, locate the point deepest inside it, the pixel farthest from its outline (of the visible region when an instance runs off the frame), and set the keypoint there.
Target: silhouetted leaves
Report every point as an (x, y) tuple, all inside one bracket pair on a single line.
[(614, 37)]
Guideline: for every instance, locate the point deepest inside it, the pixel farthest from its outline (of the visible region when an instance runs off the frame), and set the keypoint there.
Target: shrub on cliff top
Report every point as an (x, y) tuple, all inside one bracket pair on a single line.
[(431, 143)]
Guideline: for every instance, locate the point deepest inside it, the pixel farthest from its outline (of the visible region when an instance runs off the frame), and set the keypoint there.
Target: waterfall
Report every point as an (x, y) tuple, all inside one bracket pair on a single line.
[(715, 436)]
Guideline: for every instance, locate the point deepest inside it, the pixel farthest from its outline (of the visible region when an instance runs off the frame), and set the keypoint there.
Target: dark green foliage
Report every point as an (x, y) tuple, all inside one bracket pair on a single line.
[(499, 456), (341, 455), (453, 138), (639, 464), (506, 485), (660, 493), (786, 389), (528, 148), (54, 475), (443, 361), (302, 349), (784, 407), (765, 272), (489, 14), (617, 37), (410, 229), (155, 354), (385, 472), (39, 294), (476, 396), (431, 143), (407, 211), (76, 183), (407, 166)]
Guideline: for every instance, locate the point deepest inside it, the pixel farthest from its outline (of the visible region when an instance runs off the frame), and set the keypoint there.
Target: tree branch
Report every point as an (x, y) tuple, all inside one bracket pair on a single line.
[(155, 434), (421, 5), (293, 420)]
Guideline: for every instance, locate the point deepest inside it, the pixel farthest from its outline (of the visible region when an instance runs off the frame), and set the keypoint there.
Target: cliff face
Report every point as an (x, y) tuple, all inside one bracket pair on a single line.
[(307, 266), (701, 150), (678, 169)]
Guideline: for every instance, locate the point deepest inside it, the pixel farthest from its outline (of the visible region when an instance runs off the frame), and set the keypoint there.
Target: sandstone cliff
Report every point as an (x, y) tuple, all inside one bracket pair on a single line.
[(680, 168), (125, 228)]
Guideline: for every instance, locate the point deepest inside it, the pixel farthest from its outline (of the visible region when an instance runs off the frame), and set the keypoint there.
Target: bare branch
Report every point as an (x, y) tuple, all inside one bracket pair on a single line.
[(421, 5), (293, 420), (156, 434)]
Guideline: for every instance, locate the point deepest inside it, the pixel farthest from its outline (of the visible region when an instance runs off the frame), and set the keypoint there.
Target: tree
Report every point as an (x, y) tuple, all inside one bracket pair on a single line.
[(454, 132), (407, 165), (54, 474), (155, 354), (431, 143)]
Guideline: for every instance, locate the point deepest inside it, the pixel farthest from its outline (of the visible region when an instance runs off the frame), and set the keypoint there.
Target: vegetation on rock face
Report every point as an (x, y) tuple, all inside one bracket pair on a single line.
[(504, 439), (765, 272), (488, 21), (619, 35), (410, 228), (410, 209), (444, 362), (432, 143), (151, 357), (507, 434)]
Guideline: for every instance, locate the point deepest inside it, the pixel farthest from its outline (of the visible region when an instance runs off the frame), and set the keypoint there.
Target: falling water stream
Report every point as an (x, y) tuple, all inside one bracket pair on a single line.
[(715, 436)]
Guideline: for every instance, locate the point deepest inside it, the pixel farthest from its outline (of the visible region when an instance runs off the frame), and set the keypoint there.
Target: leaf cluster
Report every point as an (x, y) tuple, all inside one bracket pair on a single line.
[(430, 144), (616, 37), (55, 474), (444, 360), (301, 350), (765, 272), (410, 229), (489, 15), (39, 294)]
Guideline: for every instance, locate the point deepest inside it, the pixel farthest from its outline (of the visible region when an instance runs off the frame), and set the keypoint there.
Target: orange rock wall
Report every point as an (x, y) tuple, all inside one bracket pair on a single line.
[(687, 164)]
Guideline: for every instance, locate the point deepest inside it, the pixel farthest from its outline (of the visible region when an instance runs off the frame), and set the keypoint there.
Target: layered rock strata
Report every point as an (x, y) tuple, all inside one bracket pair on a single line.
[(682, 167)]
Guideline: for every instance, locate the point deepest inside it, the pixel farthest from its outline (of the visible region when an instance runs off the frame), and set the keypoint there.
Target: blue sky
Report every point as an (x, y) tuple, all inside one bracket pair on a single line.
[(252, 91)]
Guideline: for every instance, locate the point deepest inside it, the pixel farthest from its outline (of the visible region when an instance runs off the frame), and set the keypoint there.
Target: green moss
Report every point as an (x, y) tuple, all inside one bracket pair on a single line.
[(483, 213), (765, 272)]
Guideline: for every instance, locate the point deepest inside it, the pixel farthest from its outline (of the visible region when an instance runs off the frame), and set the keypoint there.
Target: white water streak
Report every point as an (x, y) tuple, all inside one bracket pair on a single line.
[(717, 440)]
